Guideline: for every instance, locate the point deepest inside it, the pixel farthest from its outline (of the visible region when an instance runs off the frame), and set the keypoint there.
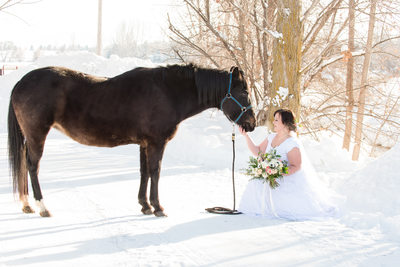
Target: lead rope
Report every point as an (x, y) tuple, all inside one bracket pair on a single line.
[(221, 210), (233, 166)]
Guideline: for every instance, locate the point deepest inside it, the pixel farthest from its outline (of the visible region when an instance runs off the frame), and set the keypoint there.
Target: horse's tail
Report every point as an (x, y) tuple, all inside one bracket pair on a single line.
[(17, 154)]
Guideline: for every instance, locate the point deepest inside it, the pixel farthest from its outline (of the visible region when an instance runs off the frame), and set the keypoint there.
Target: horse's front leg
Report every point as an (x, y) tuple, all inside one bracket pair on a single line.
[(144, 178), (155, 153)]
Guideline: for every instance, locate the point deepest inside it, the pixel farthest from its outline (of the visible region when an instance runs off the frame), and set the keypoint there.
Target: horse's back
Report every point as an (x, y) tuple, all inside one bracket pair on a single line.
[(40, 97), (49, 83)]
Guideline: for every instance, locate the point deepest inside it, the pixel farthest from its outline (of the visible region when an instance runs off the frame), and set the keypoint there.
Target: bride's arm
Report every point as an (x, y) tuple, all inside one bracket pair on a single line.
[(294, 158), (252, 147)]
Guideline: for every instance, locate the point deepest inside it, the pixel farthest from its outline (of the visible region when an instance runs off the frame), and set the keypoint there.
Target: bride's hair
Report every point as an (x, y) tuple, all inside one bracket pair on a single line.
[(287, 118)]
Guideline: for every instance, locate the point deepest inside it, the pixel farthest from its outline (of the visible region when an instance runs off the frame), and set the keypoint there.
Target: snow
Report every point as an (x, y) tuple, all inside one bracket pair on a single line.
[(92, 195), (283, 92), (275, 34)]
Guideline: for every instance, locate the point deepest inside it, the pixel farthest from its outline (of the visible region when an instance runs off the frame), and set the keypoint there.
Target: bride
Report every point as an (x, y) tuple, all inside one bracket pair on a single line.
[(299, 195)]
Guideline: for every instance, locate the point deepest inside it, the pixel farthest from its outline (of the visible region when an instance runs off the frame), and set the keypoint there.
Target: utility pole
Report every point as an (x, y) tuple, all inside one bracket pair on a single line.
[(99, 19)]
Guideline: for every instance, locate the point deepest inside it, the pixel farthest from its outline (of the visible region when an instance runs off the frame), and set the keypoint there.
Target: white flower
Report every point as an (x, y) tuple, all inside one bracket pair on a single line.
[(264, 164), (280, 164), (274, 163)]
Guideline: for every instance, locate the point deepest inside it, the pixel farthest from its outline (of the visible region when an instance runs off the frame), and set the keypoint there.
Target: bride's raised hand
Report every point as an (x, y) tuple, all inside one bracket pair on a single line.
[(242, 131)]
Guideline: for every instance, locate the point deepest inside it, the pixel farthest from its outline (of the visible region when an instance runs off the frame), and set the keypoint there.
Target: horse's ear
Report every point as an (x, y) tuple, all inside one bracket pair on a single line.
[(235, 71), (232, 68)]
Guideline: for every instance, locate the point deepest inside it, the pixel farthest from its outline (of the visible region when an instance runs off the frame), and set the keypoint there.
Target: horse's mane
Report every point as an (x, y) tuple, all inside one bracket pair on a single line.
[(211, 84)]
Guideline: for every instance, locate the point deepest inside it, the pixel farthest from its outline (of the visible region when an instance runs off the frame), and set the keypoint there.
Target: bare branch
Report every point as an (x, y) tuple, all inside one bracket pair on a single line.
[(216, 33), (188, 41)]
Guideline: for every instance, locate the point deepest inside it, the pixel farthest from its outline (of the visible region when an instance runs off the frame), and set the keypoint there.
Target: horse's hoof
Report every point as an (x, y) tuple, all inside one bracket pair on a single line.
[(147, 212), (160, 213), (27, 209), (45, 213)]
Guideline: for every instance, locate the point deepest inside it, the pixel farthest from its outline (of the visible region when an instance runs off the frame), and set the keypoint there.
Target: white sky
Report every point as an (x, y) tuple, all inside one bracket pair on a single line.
[(59, 22)]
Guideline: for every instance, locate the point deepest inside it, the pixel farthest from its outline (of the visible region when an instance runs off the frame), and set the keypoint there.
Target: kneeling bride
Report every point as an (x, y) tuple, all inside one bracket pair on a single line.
[(299, 195)]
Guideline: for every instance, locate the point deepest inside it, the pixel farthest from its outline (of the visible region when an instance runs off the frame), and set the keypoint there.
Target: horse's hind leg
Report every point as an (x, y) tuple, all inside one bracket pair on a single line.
[(144, 178), (35, 147), (26, 208), (24, 193)]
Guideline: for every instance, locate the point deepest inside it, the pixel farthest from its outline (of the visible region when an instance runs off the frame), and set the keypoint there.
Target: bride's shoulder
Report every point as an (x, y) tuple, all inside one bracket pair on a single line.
[(293, 142)]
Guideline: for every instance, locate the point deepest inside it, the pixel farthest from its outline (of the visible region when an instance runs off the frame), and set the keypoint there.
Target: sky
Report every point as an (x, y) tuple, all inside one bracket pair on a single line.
[(59, 22)]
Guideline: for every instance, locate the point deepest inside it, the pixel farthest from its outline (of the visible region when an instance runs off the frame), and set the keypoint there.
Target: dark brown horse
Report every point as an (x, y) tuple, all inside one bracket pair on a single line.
[(143, 106)]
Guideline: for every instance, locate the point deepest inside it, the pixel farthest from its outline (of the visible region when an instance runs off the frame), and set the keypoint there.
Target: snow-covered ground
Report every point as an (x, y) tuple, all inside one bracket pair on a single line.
[(92, 195)]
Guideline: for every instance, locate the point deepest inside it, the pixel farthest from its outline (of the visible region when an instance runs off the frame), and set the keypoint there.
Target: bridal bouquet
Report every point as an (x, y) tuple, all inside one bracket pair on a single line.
[(267, 167)]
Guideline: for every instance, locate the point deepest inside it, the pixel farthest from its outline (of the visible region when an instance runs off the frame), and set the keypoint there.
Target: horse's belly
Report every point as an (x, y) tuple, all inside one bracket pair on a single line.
[(101, 139)]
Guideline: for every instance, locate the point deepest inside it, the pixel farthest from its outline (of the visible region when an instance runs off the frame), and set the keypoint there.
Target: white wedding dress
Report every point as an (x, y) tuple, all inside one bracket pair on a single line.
[(299, 196)]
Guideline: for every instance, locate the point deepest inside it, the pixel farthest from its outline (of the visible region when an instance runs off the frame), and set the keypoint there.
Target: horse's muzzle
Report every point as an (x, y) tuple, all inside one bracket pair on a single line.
[(248, 126)]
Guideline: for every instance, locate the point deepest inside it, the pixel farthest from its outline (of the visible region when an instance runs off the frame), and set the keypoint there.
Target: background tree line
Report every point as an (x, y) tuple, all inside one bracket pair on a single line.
[(334, 63)]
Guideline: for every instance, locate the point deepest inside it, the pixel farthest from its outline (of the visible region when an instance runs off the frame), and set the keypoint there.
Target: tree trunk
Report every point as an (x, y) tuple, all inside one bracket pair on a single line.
[(242, 42), (349, 79), (265, 46), (286, 60), (364, 82)]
